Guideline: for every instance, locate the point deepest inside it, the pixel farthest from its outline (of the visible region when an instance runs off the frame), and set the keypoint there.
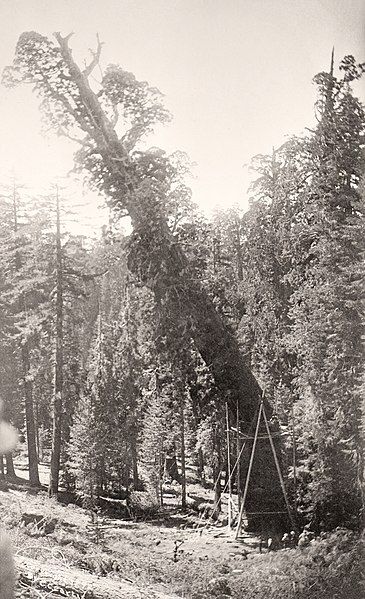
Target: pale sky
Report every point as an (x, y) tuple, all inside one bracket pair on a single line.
[(236, 75)]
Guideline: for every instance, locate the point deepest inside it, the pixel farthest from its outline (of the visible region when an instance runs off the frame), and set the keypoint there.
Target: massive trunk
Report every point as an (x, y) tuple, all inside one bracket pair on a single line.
[(50, 580), (159, 261)]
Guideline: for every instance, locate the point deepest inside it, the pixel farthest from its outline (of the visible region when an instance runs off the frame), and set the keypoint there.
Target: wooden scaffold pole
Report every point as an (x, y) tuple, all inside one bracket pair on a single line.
[(240, 517), (229, 470), (238, 450), (262, 413), (293, 523)]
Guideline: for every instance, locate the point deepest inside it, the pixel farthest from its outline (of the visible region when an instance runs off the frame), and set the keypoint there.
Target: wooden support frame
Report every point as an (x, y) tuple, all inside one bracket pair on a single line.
[(292, 521), (240, 517), (262, 413)]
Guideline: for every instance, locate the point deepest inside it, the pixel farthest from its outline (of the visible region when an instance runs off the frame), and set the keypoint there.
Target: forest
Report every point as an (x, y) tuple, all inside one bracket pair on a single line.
[(139, 363)]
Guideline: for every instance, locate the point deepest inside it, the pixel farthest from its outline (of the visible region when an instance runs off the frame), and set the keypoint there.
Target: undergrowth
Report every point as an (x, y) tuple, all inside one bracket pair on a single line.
[(332, 567)]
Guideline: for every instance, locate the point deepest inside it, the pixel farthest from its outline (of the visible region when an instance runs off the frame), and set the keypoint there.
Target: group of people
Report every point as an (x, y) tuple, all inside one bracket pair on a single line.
[(289, 540)]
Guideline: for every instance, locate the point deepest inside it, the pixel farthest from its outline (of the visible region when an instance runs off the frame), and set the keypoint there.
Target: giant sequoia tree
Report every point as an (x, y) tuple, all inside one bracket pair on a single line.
[(109, 122)]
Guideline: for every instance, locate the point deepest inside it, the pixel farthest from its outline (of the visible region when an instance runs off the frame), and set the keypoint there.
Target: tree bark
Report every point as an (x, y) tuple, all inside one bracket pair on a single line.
[(10, 470), (170, 465), (66, 581), (134, 460), (183, 466), (159, 261), (58, 374), (201, 466), (27, 383), (238, 459), (29, 418), (217, 472)]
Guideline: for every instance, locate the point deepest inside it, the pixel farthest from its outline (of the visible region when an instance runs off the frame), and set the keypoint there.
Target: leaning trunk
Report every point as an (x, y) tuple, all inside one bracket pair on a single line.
[(159, 261)]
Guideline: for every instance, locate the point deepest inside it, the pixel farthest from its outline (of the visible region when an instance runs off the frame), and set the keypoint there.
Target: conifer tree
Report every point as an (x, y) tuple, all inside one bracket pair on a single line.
[(304, 246)]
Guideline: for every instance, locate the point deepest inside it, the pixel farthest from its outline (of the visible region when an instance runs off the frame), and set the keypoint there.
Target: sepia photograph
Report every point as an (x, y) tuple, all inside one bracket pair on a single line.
[(182, 245)]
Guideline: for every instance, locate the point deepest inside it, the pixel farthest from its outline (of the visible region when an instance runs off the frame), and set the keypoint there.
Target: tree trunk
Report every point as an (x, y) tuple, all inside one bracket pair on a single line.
[(170, 465), (29, 418), (217, 470), (62, 581), (2, 472), (183, 467), (201, 466), (217, 473), (27, 383), (238, 459), (159, 261), (10, 470), (58, 374), (134, 459), (238, 248), (160, 476)]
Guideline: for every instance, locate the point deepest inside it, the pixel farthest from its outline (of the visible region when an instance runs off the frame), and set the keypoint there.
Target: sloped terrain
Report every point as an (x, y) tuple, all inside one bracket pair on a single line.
[(60, 550)]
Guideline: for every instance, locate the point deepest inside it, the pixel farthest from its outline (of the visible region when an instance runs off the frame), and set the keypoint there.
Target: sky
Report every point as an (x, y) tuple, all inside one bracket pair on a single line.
[(236, 75)]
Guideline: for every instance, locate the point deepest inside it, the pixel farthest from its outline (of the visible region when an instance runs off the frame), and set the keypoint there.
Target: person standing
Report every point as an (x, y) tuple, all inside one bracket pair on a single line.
[(293, 538)]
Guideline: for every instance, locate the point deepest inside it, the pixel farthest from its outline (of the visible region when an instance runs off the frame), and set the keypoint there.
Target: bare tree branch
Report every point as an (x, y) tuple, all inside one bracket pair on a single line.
[(115, 118), (104, 131), (95, 60), (65, 39), (83, 142), (85, 276)]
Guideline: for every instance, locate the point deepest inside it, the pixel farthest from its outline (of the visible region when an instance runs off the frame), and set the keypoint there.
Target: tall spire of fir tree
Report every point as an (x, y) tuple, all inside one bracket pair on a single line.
[(329, 92), (332, 61)]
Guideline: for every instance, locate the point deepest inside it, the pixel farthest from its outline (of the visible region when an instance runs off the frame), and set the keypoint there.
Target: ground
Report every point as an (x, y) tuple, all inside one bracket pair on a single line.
[(174, 554)]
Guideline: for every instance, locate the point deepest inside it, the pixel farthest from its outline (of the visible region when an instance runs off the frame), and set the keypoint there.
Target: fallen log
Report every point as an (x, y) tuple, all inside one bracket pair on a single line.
[(69, 581)]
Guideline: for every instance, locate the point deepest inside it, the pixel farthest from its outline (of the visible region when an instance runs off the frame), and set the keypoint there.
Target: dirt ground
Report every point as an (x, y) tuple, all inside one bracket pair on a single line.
[(176, 551)]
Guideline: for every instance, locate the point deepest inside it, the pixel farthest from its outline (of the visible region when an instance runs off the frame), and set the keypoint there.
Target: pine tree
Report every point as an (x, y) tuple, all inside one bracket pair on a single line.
[(304, 245), (326, 307), (25, 290)]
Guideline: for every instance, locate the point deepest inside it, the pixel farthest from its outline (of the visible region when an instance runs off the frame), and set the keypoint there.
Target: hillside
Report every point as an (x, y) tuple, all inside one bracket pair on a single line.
[(64, 550)]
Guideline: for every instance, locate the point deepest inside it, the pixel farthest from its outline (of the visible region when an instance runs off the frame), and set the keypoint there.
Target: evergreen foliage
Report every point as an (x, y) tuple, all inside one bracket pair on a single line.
[(159, 328)]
